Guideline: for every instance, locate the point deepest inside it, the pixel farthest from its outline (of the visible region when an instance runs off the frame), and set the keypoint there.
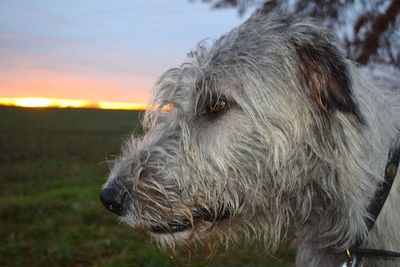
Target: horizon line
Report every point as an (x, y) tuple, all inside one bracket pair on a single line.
[(44, 102)]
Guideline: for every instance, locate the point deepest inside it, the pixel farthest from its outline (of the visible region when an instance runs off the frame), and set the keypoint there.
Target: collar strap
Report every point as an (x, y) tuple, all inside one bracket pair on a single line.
[(372, 253), (355, 255), (374, 210), (382, 192)]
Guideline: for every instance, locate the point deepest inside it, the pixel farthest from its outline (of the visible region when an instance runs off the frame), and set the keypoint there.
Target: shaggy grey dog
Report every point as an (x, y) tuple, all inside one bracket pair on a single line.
[(269, 134)]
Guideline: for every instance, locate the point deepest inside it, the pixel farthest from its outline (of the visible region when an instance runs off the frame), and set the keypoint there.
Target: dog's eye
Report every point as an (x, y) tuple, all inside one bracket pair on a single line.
[(216, 105)]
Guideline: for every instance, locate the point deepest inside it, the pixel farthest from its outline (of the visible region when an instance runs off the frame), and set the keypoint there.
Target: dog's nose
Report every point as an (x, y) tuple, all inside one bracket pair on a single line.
[(113, 199)]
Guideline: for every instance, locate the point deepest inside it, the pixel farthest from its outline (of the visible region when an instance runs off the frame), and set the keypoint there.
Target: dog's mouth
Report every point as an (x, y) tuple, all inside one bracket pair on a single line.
[(183, 224)]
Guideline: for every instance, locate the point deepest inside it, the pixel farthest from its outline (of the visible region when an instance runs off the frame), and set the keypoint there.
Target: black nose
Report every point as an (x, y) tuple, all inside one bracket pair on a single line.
[(113, 199)]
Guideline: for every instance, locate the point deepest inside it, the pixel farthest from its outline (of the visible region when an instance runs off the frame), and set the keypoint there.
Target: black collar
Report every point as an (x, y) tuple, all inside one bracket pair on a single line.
[(374, 209), (383, 191)]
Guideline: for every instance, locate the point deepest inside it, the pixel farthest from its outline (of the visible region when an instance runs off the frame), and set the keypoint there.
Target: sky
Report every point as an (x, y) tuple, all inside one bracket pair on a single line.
[(99, 50)]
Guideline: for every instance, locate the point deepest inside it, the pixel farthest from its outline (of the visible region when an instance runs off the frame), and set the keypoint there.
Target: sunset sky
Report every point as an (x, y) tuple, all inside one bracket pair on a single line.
[(99, 50)]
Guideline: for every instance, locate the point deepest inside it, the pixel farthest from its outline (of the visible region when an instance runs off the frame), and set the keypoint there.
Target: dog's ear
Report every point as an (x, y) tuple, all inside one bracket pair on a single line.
[(324, 72)]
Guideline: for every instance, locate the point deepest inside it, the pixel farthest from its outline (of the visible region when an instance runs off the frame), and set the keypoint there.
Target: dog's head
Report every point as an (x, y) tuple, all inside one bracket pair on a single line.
[(241, 139)]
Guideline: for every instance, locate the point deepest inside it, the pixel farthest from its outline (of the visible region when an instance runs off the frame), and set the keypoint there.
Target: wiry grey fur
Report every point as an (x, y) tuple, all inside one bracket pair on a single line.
[(297, 153)]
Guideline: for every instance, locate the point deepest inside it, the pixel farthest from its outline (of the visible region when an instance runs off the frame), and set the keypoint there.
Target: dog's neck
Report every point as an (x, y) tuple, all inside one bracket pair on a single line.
[(357, 252), (370, 150), (382, 225)]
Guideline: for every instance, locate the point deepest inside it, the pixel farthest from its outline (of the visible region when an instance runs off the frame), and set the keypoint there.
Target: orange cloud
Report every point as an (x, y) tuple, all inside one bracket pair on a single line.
[(45, 83)]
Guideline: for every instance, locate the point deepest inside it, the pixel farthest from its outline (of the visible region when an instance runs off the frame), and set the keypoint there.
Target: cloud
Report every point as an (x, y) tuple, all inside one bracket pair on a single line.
[(97, 49), (56, 84)]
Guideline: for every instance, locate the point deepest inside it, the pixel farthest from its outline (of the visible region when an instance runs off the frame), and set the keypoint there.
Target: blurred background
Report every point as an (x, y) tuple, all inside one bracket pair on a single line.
[(74, 79)]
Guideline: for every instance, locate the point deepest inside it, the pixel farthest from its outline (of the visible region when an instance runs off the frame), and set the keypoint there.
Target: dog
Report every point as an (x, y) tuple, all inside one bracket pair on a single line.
[(269, 134)]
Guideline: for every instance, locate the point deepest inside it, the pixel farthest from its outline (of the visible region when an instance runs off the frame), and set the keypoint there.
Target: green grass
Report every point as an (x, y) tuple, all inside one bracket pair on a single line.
[(52, 166)]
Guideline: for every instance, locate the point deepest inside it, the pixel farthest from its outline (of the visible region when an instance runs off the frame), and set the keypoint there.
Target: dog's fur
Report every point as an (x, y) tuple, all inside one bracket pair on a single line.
[(296, 153)]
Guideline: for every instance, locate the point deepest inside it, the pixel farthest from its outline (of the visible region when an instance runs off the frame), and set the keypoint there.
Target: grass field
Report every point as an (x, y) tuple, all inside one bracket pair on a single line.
[(51, 171)]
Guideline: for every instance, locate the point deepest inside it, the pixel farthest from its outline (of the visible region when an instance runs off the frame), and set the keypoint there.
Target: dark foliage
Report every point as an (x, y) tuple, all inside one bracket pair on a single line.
[(368, 30)]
